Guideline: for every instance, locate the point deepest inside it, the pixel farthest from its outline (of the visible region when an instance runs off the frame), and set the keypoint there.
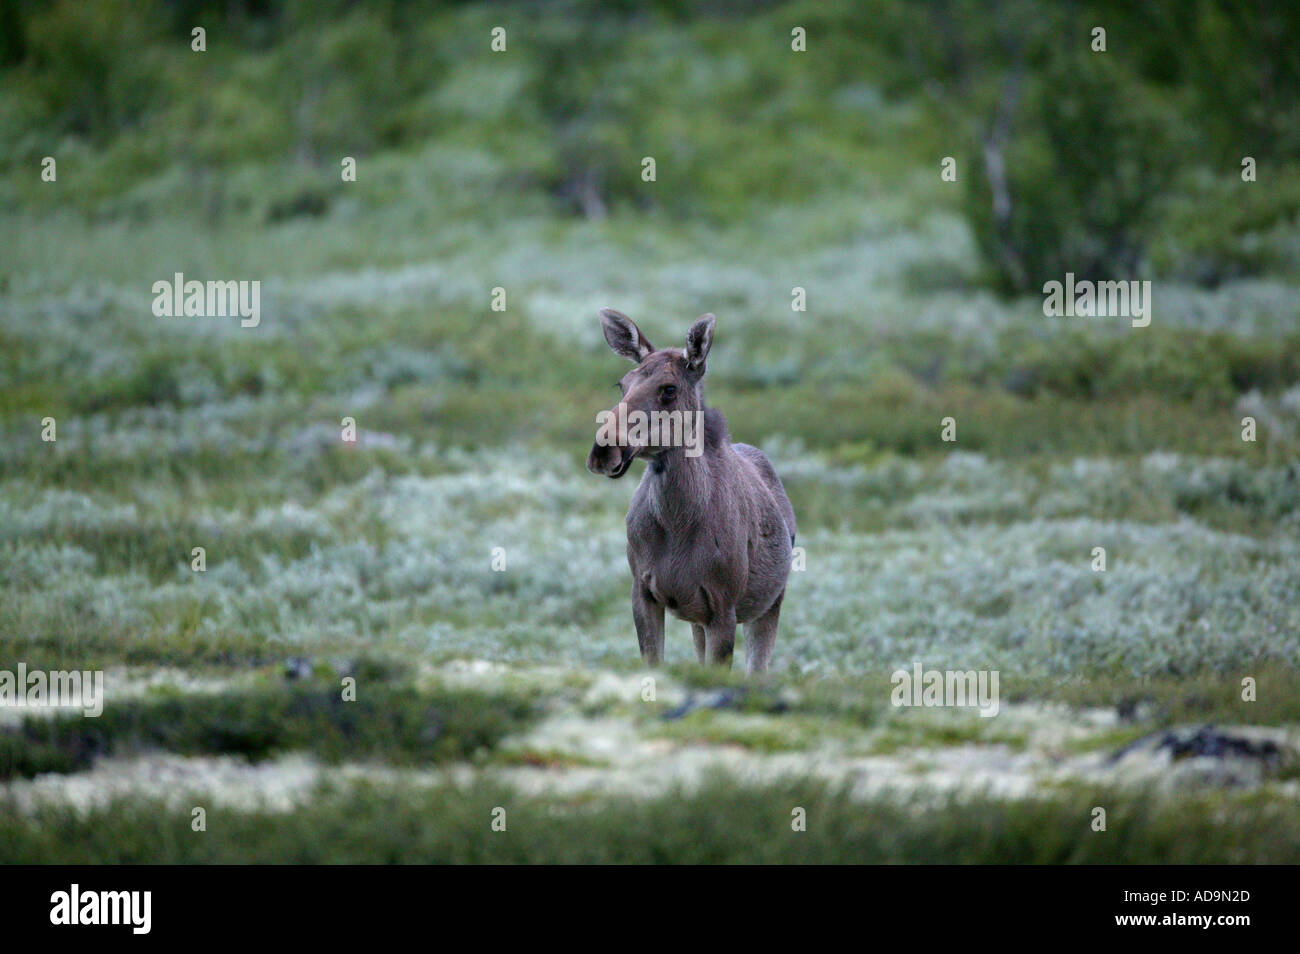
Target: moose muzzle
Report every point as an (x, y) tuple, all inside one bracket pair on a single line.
[(608, 457)]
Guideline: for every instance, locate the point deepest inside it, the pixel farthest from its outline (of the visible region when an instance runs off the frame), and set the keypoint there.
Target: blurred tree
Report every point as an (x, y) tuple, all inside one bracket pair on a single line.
[(1074, 167), (1077, 151)]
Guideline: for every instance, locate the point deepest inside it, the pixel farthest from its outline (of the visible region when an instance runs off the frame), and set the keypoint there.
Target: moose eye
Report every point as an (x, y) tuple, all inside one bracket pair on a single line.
[(668, 392)]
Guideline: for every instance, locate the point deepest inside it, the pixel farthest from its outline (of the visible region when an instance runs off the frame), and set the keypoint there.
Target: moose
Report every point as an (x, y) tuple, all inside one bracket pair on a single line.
[(710, 530)]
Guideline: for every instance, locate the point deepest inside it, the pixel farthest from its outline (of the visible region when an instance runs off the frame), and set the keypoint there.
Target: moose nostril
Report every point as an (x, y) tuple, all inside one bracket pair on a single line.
[(598, 461)]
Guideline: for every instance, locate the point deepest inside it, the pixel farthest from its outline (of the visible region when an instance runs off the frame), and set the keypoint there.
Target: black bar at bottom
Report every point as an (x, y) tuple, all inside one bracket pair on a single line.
[(332, 903)]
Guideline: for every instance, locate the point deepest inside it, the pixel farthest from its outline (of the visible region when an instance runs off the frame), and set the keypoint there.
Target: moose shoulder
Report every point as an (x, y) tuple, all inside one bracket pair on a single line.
[(710, 529)]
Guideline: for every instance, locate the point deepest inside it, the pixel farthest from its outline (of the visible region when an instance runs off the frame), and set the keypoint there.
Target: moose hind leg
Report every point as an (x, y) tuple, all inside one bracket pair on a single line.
[(760, 637), (649, 618)]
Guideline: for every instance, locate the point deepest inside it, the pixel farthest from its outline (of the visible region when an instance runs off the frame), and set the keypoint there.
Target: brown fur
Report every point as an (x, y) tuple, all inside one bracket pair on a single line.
[(709, 537)]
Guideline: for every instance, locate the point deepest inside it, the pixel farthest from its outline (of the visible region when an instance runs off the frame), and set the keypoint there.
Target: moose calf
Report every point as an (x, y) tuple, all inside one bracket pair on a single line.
[(710, 529)]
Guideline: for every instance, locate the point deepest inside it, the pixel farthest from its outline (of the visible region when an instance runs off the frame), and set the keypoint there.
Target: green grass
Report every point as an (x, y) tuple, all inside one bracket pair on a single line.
[(724, 822), (1169, 699), (385, 721)]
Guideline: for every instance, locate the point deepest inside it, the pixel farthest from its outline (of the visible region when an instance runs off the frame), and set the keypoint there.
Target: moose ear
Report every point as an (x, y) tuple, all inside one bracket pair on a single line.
[(698, 342), (624, 336)]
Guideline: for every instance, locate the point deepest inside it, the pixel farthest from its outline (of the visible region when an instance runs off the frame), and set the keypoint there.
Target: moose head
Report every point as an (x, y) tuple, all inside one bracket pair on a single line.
[(661, 401)]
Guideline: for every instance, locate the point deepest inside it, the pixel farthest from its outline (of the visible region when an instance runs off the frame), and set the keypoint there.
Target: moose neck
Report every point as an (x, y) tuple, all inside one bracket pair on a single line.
[(681, 485)]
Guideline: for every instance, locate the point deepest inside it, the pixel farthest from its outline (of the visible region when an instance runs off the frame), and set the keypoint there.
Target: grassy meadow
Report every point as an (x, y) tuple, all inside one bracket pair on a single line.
[(520, 688)]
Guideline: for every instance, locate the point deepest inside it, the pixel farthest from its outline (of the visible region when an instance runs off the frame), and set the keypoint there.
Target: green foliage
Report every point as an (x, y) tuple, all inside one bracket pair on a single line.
[(1087, 159), (1219, 228), (1102, 152), (80, 81)]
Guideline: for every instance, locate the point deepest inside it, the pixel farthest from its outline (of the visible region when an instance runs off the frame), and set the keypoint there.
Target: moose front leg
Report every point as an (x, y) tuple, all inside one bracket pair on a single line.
[(649, 618), (720, 638), (697, 632)]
